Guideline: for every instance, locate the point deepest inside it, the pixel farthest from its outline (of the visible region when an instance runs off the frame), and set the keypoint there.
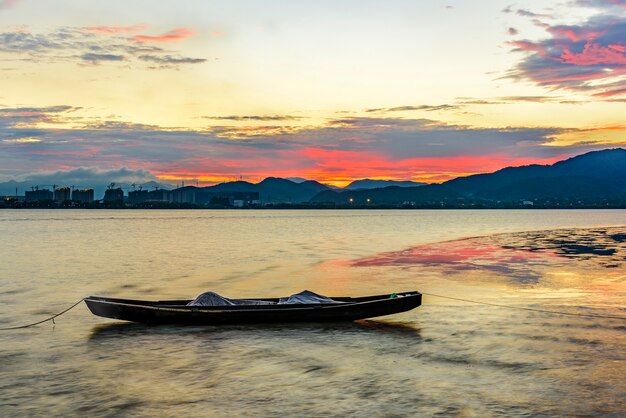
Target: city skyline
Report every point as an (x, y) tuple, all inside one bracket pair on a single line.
[(324, 91)]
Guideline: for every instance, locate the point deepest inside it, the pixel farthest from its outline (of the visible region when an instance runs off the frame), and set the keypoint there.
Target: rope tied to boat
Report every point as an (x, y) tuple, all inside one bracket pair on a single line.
[(44, 320), (525, 308)]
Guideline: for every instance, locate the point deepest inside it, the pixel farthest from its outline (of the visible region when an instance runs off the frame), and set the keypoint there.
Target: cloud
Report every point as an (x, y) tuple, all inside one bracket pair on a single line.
[(601, 4), (102, 57), (340, 149), (171, 60), (534, 99), (110, 30), (101, 44), (247, 118), (169, 37), (11, 117), (28, 42), (589, 57), (6, 4), (48, 109), (92, 174), (427, 108), (512, 31), (26, 140), (526, 13)]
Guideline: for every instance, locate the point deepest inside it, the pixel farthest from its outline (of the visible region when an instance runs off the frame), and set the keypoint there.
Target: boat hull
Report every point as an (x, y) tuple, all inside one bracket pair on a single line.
[(176, 312)]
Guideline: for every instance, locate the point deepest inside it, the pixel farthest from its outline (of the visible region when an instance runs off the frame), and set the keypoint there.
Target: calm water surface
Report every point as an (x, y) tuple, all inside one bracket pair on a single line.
[(445, 358)]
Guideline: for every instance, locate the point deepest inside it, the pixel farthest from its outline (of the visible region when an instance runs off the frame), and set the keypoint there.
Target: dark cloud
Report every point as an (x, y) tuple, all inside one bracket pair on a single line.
[(528, 13), (388, 142), (17, 116), (48, 109), (171, 60), (512, 31), (102, 57), (534, 99), (28, 42), (87, 44)]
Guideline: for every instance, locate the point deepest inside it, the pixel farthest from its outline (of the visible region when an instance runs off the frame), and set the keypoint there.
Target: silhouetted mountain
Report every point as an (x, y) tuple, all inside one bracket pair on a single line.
[(296, 179), (274, 190), (375, 184), (595, 175)]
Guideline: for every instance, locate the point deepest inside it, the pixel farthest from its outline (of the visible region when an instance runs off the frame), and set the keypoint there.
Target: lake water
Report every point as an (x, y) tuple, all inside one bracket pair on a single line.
[(446, 358)]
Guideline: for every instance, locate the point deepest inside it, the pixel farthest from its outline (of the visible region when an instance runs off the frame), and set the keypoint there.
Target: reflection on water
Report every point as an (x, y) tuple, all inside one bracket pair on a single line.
[(445, 358), (127, 329), (589, 262)]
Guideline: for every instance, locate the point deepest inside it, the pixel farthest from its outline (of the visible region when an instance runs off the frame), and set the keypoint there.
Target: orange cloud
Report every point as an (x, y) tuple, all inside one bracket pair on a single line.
[(336, 167), (339, 167), (169, 37)]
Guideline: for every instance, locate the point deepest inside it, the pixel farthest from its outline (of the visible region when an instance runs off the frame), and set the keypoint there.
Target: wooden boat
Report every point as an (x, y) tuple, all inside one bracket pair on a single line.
[(177, 311)]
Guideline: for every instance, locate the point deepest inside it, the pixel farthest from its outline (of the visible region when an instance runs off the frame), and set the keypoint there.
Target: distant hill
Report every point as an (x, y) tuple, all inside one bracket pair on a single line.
[(296, 179), (592, 176), (375, 184), (275, 190)]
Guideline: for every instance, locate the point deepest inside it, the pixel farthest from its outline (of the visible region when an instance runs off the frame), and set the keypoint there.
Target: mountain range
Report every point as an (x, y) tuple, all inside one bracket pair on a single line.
[(376, 184), (271, 190), (597, 175), (594, 175)]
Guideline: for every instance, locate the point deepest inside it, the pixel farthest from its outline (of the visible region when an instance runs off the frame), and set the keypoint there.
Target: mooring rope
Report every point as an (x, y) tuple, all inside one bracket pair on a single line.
[(45, 320), (524, 308)]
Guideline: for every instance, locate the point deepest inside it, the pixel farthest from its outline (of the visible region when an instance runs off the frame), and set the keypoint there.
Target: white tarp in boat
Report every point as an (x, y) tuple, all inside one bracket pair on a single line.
[(304, 297), (213, 299)]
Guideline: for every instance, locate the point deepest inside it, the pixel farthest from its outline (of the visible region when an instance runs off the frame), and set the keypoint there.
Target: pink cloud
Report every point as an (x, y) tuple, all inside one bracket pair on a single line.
[(576, 57), (594, 54), (5, 4), (575, 34), (110, 30), (611, 93), (169, 37)]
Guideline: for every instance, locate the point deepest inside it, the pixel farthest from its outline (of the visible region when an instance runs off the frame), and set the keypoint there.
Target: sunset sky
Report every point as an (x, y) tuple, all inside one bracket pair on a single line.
[(324, 90)]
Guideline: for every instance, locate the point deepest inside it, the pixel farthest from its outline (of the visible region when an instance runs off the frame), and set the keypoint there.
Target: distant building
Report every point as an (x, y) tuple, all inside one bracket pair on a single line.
[(158, 195), (38, 195), (62, 194), (201, 196), (138, 196), (82, 196), (113, 195), (236, 199), (185, 195), (528, 203)]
